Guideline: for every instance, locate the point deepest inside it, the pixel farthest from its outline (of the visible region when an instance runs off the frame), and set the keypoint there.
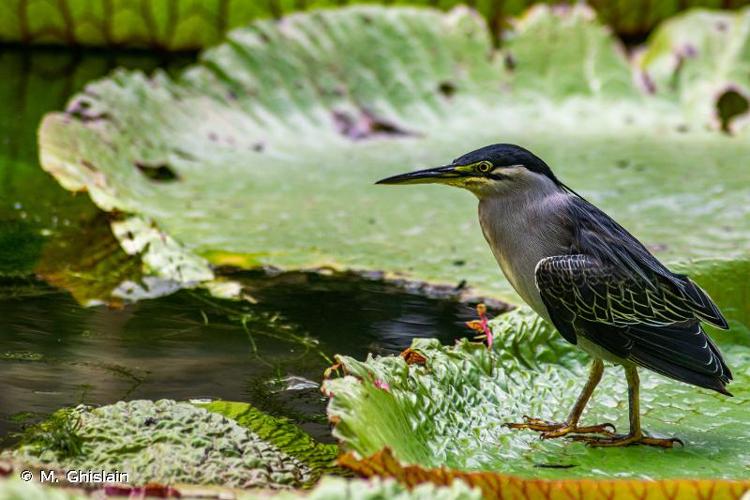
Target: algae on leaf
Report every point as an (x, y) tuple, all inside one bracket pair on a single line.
[(264, 153)]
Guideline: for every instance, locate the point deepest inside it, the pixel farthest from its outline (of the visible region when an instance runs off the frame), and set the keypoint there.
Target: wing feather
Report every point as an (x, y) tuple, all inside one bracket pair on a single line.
[(646, 320)]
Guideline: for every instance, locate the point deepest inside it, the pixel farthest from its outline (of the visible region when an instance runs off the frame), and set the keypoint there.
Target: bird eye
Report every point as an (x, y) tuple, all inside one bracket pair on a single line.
[(484, 166)]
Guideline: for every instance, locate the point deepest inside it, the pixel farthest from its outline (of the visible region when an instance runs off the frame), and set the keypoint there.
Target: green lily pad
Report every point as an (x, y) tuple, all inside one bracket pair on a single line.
[(449, 410), (282, 433), (264, 153), (701, 59), (226, 444), (159, 442)]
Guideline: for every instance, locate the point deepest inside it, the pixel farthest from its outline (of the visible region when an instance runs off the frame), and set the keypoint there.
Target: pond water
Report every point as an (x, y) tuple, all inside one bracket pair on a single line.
[(56, 353)]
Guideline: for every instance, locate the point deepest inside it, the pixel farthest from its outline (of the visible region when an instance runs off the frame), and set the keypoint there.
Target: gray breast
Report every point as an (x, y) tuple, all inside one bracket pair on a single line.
[(522, 228)]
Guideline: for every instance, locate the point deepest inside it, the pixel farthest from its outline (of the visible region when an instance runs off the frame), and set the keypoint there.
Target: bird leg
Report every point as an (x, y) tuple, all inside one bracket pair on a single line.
[(551, 430), (636, 435)]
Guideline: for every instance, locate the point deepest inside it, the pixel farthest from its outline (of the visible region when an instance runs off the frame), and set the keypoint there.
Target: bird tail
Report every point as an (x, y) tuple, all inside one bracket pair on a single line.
[(681, 352)]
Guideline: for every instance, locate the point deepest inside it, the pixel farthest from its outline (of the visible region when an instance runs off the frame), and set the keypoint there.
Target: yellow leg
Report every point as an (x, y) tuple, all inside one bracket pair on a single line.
[(551, 430), (635, 436)]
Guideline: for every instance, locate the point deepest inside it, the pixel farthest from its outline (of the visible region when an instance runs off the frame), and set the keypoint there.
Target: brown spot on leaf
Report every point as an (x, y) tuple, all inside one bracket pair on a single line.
[(648, 83), (365, 124), (90, 166), (185, 155), (413, 357)]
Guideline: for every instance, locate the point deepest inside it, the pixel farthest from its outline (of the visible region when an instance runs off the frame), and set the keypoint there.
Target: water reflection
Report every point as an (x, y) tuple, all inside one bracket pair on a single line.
[(34, 209)]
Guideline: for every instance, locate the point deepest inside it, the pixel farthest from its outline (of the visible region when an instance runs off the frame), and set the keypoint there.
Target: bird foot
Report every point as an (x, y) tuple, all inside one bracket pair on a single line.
[(627, 440), (551, 430)]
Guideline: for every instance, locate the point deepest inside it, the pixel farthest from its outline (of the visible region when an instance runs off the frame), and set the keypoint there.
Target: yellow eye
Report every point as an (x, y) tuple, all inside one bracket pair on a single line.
[(484, 166)]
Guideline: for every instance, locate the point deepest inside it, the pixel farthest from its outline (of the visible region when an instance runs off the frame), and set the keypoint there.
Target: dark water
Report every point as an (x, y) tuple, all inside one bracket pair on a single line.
[(55, 353)]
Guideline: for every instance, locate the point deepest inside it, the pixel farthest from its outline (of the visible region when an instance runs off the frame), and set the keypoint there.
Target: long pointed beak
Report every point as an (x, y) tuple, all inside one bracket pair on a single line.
[(427, 176)]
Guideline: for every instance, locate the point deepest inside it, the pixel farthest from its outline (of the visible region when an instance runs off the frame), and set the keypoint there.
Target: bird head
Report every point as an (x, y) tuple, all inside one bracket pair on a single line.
[(491, 170)]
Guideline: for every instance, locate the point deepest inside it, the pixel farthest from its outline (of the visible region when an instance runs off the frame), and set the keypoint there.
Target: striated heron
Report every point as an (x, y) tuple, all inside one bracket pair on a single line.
[(594, 281)]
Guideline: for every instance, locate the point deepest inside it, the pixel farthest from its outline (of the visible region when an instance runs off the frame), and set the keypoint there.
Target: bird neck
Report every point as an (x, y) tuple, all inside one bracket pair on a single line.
[(522, 228)]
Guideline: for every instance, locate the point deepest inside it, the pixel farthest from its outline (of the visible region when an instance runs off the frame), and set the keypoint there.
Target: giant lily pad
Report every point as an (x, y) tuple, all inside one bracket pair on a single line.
[(163, 442), (264, 153), (408, 419)]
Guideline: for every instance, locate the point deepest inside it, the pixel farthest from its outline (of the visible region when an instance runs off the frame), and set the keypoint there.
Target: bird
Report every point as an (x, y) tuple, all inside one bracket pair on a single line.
[(598, 285)]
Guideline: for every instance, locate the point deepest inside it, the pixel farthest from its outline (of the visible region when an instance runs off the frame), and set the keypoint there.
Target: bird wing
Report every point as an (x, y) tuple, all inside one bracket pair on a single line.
[(677, 297), (646, 319), (601, 293)]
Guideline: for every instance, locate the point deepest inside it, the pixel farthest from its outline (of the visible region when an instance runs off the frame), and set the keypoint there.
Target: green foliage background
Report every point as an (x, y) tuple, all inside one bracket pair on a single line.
[(192, 24)]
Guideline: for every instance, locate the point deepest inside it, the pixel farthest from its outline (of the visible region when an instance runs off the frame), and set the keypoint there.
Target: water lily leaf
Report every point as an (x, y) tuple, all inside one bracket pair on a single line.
[(495, 485), (282, 433), (448, 410), (255, 158), (701, 57), (158, 442)]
